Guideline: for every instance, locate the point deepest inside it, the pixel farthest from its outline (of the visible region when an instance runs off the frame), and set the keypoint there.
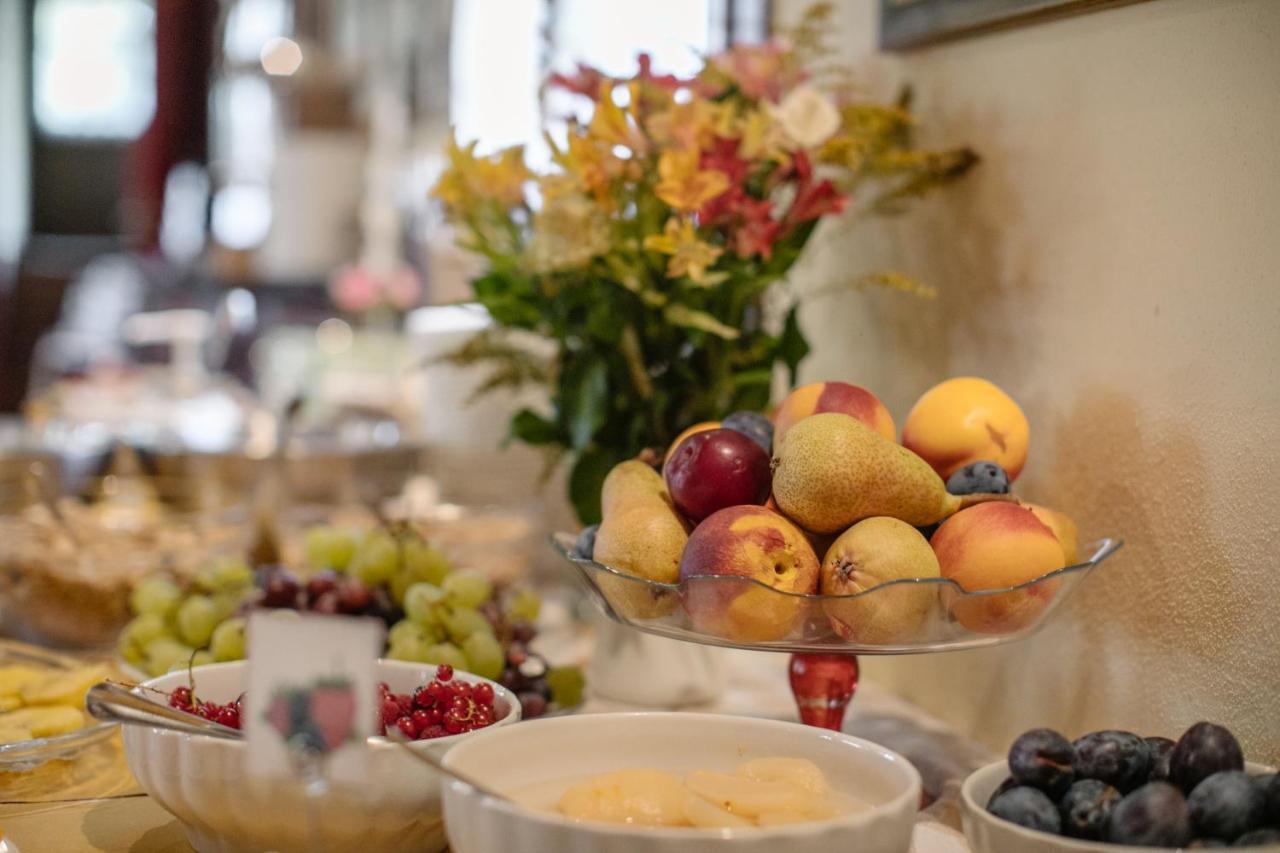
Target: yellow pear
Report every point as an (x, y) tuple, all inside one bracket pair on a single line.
[(644, 540), (873, 552), (833, 471), (629, 484)]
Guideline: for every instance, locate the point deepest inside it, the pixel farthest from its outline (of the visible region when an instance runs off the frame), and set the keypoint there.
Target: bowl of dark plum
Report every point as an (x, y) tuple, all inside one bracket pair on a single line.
[(1113, 790)]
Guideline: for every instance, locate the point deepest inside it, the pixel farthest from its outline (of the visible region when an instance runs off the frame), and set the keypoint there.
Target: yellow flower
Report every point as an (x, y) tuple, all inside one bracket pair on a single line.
[(692, 125), (762, 137), (568, 232), (469, 179), (683, 185), (689, 255), (610, 123)]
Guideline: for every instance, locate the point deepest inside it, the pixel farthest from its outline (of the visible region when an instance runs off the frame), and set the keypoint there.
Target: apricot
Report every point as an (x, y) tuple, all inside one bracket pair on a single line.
[(818, 397), (966, 420), (996, 546), (1063, 528)]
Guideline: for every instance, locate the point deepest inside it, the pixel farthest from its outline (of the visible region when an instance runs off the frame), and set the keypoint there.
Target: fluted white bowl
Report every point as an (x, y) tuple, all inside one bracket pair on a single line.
[(394, 806), (989, 834), (567, 749)]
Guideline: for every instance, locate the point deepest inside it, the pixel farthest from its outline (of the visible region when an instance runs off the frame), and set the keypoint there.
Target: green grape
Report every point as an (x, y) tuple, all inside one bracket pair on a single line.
[(203, 658), (566, 683), (399, 585), (462, 622), (442, 653), (133, 654), (376, 560), (196, 619), (422, 603), (227, 642), (423, 561), (467, 588), (484, 654), (410, 648), (141, 630), (166, 654), (329, 547), (225, 604), (157, 595), (230, 574), (405, 629), (523, 605)]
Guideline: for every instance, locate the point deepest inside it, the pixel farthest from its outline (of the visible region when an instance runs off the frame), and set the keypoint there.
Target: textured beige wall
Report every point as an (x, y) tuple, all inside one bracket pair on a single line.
[(1115, 265)]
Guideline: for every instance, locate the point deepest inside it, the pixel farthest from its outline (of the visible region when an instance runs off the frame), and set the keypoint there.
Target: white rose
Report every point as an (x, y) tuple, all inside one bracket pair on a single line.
[(807, 116)]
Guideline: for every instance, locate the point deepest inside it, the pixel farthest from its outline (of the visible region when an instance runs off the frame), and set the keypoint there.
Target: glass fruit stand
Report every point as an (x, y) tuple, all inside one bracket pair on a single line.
[(825, 634)]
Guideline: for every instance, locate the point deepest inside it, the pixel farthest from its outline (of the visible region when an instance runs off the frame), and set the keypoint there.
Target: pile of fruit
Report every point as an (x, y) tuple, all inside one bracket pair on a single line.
[(823, 499), (38, 701), (441, 708), (1117, 787), (435, 613)]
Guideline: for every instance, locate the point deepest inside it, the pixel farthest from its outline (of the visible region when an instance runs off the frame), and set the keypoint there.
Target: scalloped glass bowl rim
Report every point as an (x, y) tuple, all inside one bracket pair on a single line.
[(29, 753), (1100, 549)]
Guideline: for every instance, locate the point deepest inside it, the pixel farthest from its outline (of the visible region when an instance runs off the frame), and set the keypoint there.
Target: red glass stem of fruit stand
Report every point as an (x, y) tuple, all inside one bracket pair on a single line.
[(822, 685)]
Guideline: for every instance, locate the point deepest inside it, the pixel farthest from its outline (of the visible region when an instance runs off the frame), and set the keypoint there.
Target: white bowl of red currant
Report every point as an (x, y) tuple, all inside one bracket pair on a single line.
[(394, 805), (1111, 791)]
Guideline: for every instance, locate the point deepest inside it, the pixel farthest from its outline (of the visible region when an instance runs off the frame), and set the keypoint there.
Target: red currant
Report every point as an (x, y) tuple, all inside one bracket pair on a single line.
[(421, 719), (405, 725), (229, 717), (439, 692), (444, 672), (454, 724), (462, 688), (405, 702), (482, 717), (383, 688), (390, 711), (482, 693), (422, 698), (434, 731), (460, 704), (180, 698)]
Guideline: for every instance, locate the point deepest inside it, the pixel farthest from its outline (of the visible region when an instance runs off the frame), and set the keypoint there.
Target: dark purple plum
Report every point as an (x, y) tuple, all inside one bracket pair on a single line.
[(1085, 808), (979, 477), (1042, 759), (1270, 786), (1258, 838), (1226, 805), (1154, 815), (1004, 786), (754, 426), (1028, 807), (585, 545), (1204, 749), (1161, 750), (1121, 759)]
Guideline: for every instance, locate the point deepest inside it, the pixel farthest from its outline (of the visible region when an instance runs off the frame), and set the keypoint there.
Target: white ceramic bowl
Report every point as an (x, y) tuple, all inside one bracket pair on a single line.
[(567, 749), (990, 834), (395, 806)]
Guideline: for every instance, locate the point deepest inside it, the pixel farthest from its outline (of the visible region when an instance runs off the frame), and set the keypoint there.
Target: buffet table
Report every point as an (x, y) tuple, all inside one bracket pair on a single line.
[(92, 804)]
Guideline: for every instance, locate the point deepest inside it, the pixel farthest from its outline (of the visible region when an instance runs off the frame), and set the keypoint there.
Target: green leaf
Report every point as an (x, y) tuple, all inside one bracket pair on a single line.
[(585, 402), (792, 346), (692, 318), (586, 478), (532, 428)]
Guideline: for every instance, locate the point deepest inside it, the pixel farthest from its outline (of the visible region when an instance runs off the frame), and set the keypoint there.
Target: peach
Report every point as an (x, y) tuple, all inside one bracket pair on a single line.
[(994, 546), (698, 427), (818, 397), (748, 543), (1063, 528), (967, 420)]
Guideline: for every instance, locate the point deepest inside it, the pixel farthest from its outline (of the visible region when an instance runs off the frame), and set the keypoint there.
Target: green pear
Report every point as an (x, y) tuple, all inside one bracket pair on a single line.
[(873, 552), (630, 484), (833, 471)]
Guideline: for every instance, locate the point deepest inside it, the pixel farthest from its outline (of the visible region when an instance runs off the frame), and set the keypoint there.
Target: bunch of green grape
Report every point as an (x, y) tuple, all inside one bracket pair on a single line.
[(395, 558), (456, 622), (175, 626)]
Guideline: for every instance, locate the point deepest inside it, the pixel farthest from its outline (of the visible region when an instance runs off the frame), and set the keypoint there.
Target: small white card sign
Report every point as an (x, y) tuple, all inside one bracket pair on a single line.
[(311, 690)]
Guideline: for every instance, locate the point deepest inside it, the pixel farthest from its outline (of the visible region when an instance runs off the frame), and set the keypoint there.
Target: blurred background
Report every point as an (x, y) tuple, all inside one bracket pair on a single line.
[(196, 194)]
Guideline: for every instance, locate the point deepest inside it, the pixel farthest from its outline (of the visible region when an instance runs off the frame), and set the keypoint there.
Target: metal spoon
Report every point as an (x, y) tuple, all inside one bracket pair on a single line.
[(429, 758)]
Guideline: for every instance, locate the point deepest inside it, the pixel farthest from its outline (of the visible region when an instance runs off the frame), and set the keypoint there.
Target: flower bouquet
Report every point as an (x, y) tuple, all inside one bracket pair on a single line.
[(647, 250)]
